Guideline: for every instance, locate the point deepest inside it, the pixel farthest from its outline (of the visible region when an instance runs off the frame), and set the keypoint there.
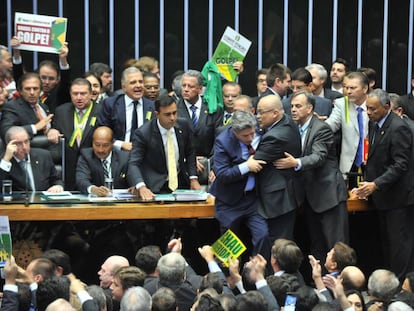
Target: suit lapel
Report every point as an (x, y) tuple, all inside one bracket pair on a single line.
[(307, 137), (379, 135)]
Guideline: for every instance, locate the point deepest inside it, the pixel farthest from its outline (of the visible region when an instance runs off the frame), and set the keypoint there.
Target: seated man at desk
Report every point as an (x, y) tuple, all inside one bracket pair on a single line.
[(162, 158), (29, 169), (100, 162)]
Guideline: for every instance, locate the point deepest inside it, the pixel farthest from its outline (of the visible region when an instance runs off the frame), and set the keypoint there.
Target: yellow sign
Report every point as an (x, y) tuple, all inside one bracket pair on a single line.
[(228, 245)]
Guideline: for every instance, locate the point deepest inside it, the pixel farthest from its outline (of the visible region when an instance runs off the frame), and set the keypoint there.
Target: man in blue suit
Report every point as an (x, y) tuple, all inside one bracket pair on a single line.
[(235, 185), (124, 113)]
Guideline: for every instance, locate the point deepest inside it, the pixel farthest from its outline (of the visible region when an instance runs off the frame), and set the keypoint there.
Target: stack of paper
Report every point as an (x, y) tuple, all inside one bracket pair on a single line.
[(190, 195)]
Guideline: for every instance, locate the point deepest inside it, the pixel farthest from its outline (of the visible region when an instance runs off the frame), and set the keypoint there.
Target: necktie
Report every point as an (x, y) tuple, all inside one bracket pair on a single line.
[(227, 118), (250, 178), (376, 129), (79, 137), (360, 150), (29, 175), (134, 122), (172, 164), (105, 168), (43, 98), (39, 116), (194, 118)]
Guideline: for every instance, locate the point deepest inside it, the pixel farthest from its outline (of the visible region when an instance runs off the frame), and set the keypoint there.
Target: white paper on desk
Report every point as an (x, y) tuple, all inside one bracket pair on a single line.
[(55, 194), (64, 195), (123, 194)]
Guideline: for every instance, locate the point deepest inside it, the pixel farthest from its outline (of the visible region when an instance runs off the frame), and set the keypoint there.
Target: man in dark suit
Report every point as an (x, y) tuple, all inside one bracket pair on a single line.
[(408, 101), (55, 79), (278, 81), (235, 186), (320, 188), (276, 191), (90, 172), (76, 120), (302, 80), (192, 108), (31, 169), (386, 183), (28, 111), (151, 164), (124, 113)]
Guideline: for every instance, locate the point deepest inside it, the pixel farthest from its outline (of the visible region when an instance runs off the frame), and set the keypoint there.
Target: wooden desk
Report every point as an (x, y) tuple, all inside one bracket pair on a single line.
[(108, 211)]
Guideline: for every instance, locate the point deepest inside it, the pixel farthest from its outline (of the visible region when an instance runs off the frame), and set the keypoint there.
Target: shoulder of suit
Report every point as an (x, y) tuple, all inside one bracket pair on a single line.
[(64, 107)]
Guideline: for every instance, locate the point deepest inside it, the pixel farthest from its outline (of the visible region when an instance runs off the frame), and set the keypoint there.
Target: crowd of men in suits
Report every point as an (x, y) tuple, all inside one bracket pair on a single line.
[(271, 155)]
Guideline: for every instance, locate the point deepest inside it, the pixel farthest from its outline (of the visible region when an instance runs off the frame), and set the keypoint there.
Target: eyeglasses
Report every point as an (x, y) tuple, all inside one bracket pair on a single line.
[(46, 78), (152, 87), (260, 112)]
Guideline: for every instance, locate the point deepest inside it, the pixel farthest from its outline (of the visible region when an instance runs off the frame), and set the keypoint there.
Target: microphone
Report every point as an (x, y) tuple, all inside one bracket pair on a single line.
[(26, 184)]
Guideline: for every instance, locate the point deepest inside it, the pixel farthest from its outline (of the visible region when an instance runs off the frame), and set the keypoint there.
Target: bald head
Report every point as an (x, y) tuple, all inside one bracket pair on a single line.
[(269, 110), (352, 278), (102, 142), (109, 267), (60, 305)]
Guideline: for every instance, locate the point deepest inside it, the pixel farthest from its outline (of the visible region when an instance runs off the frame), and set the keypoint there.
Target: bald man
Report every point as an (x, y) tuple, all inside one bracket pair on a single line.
[(100, 162), (108, 269), (276, 193)]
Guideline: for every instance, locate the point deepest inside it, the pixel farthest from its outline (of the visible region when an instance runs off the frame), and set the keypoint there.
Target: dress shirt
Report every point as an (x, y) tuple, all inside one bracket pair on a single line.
[(303, 130), (129, 108), (243, 168), (109, 166), (197, 104)]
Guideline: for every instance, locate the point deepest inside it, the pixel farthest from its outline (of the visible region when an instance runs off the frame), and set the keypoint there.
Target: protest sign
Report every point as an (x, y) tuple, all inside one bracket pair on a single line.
[(5, 240), (40, 32), (232, 47), (228, 245)]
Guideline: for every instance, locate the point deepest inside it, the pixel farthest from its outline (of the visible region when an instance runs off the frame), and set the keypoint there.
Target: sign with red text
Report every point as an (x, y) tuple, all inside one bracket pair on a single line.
[(40, 32)]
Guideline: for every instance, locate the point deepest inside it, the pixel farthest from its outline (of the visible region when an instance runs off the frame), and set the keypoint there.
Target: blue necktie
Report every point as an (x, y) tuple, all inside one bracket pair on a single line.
[(250, 179), (194, 114), (359, 154)]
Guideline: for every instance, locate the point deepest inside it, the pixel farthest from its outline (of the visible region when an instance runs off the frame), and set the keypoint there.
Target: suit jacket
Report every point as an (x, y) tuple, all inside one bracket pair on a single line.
[(113, 114), (10, 301), (338, 120), (410, 178), (20, 113), (204, 131), (147, 162), (59, 95), (323, 106), (229, 184), (276, 186), (388, 162), (64, 122), (320, 179), (89, 170), (331, 94), (408, 105), (44, 171)]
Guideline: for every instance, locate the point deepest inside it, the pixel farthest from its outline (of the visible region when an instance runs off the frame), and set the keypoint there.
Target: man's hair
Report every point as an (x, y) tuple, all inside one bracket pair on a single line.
[(98, 294), (277, 71), (343, 62), (288, 255), (242, 120), (259, 72), (136, 299), (369, 72), (228, 302), (51, 64), (281, 285), (164, 300), (130, 276), (81, 81), (251, 301), (146, 63), (410, 277), (326, 306), (51, 289), (100, 68), (396, 100), (381, 95), (194, 74), (45, 267), (149, 74), (147, 258), (163, 101), (246, 97), (207, 302), (59, 258), (171, 269), (383, 285), (343, 255), (363, 79), (128, 71), (211, 280), (231, 83), (27, 76), (322, 73), (12, 131), (306, 298), (310, 98), (301, 74), (92, 74)]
